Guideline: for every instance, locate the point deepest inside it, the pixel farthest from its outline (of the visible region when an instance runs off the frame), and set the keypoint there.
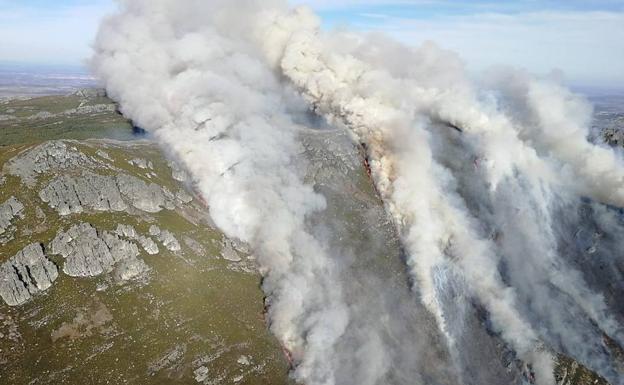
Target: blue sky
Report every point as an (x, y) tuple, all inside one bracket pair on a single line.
[(584, 39), (361, 11)]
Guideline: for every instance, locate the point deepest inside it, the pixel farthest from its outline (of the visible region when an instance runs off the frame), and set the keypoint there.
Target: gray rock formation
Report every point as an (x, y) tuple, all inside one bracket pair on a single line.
[(183, 197), (25, 274), (146, 243), (165, 237), (91, 93), (146, 197), (154, 230), (240, 246), (10, 210), (45, 157), (41, 115), (71, 195), (170, 198), (130, 269), (126, 231), (169, 241), (228, 253), (89, 252), (89, 110), (177, 172), (142, 163)]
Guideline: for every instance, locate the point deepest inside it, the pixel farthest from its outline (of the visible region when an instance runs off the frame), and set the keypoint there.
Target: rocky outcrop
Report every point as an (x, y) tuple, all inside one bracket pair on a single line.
[(146, 243), (146, 197), (47, 156), (183, 197), (126, 231), (89, 252), (10, 210), (72, 195), (154, 230), (169, 241), (89, 110), (91, 93), (141, 163), (69, 195), (129, 269), (80, 110), (41, 115), (166, 238), (228, 253), (177, 172), (26, 274), (72, 192)]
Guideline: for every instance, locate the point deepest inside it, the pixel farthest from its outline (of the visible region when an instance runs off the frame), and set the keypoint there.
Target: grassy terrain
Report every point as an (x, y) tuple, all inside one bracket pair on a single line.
[(194, 311), (40, 119)]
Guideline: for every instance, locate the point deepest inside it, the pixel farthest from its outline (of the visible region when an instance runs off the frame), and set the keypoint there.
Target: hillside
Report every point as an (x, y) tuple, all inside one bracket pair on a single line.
[(111, 270)]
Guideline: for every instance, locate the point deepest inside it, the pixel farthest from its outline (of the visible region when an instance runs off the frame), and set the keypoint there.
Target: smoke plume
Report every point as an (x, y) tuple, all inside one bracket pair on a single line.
[(487, 182)]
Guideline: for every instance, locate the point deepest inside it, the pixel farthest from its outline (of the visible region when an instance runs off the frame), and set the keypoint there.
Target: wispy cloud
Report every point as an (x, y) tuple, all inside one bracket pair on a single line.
[(587, 46)]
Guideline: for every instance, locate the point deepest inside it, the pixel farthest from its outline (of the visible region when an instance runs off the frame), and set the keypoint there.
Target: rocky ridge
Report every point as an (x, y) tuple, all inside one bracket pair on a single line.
[(89, 252), (9, 211), (166, 238), (25, 274), (71, 195), (82, 184), (82, 188), (147, 243), (72, 183), (48, 156)]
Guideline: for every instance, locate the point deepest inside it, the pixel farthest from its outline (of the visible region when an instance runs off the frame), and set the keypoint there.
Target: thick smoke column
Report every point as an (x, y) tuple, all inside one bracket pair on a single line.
[(180, 71), (483, 184)]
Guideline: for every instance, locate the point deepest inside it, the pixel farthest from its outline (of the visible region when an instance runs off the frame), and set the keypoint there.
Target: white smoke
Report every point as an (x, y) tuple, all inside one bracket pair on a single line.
[(431, 217), (556, 122), (204, 94), (476, 180)]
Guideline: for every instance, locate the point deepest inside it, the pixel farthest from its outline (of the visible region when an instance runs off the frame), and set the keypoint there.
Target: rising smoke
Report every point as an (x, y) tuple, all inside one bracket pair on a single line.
[(483, 180)]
